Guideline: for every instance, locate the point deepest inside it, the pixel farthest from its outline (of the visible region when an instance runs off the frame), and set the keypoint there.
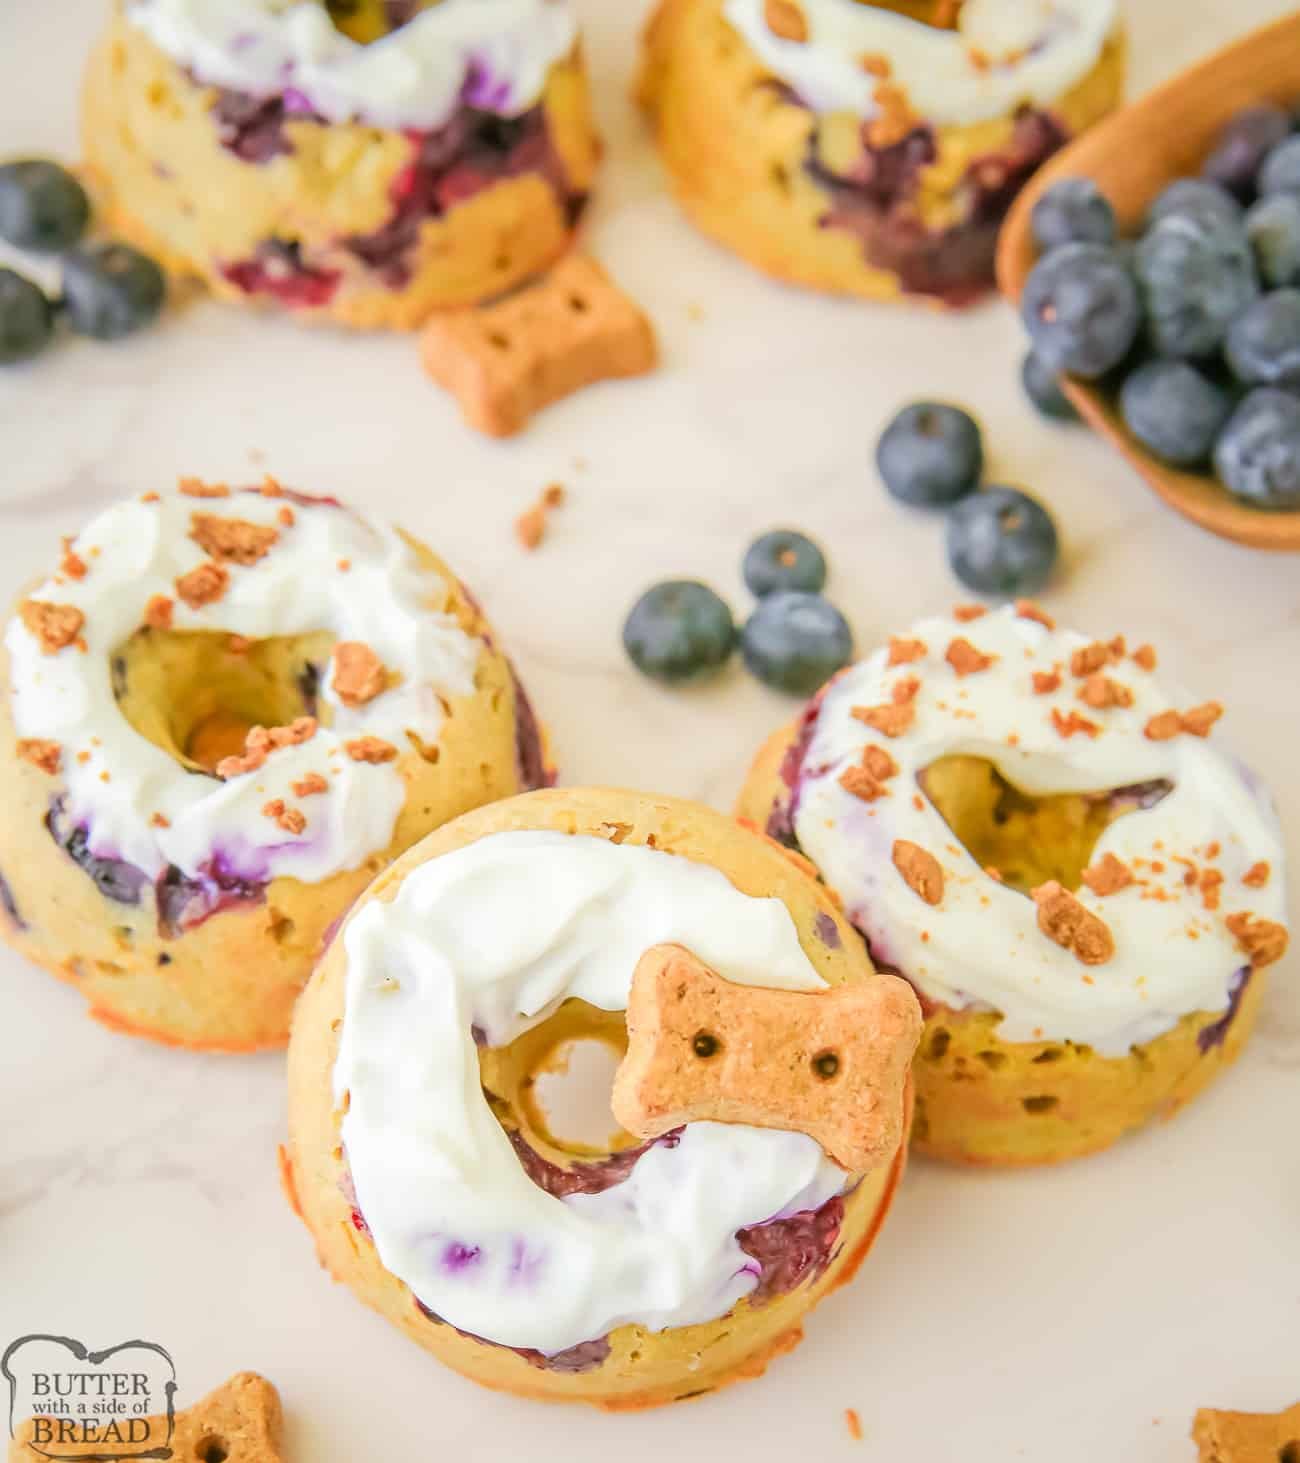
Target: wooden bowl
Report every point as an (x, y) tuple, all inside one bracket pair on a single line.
[(1131, 156)]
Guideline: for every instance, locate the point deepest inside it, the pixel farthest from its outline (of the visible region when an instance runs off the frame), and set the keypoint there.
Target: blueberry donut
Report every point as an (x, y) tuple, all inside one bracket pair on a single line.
[(619, 1272), (229, 711), (365, 163), (1081, 883), (871, 147)]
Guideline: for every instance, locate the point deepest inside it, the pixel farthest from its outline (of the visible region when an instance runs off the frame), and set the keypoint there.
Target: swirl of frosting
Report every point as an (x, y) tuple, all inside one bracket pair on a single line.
[(255, 565), (1002, 54), (494, 54), (1163, 922), (490, 940)]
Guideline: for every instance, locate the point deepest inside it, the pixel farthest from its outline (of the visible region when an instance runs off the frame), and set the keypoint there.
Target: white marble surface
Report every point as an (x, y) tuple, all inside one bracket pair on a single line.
[(1069, 1316)]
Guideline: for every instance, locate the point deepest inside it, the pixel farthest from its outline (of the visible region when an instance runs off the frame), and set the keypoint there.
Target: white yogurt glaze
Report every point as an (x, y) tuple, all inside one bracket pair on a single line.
[(493, 53), (330, 570), (1003, 54), (497, 935), (982, 944)]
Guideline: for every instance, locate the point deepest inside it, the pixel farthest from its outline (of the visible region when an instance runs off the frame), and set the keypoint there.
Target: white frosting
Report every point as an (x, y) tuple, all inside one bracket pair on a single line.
[(1036, 50), (982, 944), (137, 550), (497, 935), (493, 53)]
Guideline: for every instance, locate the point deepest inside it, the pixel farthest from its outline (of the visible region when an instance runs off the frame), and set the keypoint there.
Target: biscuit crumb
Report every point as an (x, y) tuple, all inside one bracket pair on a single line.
[(151, 497), (1210, 883), (890, 721), (159, 611), (1028, 610), (54, 626), (1256, 876), (370, 749), (879, 763), (894, 117), (530, 526), (1145, 656), (1102, 693), (860, 782), (309, 786), (1247, 1437), (1263, 940), (904, 690), (1072, 926), (853, 1423), (73, 565), (1200, 719), (160, 820), (1045, 682), (1163, 727), (785, 19), (204, 585), (40, 752), (262, 741), (877, 65), (966, 659), (232, 540), (287, 516), (290, 819), (1069, 723), (1108, 876), (964, 614), (359, 674), (270, 487), (903, 651), (196, 488), (615, 832), (920, 870), (553, 495), (1091, 658)]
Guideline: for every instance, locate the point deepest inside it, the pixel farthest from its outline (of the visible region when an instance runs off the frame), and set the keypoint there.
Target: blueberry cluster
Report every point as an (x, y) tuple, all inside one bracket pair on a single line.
[(1196, 321), (109, 290), (681, 631), (1000, 541)]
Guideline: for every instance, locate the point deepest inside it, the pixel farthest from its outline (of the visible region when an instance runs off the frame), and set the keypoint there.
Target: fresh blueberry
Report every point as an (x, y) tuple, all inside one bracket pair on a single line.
[(1257, 456), (1263, 346), (1243, 144), (26, 318), (1174, 411), (111, 290), (1072, 211), (679, 631), (1043, 388), (1081, 309), (1197, 274), (784, 559), (1194, 195), (795, 642), (1273, 228), (42, 207), (1001, 541), (1281, 170), (931, 454)]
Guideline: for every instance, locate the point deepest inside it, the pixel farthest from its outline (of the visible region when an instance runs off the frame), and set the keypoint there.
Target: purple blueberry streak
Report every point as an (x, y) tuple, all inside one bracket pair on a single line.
[(1216, 1033)]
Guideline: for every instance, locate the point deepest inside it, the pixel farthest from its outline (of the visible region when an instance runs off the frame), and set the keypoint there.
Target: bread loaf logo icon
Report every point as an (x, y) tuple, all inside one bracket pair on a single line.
[(69, 1403), (831, 1063)]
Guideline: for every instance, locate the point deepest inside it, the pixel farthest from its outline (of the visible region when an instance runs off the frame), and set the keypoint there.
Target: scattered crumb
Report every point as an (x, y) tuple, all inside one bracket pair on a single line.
[(197, 488), (158, 612), (785, 19), (1071, 925), (233, 540), (46, 755), (903, 651), (854, 1424), (309, 786), (921, 871), (370, 749), (1045, 682), (204, 585), (359, 674), (965, 659), (54, 626)]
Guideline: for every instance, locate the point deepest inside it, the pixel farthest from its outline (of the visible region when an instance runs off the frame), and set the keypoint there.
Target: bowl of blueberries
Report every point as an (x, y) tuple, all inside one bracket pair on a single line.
[(1156, 265)]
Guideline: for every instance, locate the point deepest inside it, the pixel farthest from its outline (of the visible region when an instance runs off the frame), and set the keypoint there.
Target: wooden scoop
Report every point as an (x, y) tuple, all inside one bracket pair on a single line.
[(831, 1063), (1131, 157)]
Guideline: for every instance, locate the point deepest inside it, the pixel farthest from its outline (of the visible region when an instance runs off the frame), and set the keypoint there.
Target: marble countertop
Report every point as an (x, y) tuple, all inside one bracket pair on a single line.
[(1068, 1315)]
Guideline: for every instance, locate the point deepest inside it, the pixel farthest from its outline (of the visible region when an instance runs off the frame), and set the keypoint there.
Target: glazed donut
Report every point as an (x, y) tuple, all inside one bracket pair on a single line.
[(1079, 881), (868, 148), (230, 712), (626, 1275), (282, 161)]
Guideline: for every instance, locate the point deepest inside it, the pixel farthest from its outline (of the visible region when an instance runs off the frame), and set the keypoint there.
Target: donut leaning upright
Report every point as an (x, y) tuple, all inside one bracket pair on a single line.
[(1082, 885), (225, 713)]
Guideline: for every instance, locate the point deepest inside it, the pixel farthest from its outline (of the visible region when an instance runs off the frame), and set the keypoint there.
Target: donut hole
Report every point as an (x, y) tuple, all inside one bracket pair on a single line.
[(196, 694), (1025, 839), (553, 1083)]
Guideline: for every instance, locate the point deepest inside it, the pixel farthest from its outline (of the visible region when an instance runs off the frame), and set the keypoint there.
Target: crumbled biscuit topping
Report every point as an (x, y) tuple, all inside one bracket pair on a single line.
[(1108, 876), (860, 782), (966, 659), (1197, 722), (964, 614), (290, 819), (1028, 610), (1256, 876), (1071, 925), (785, 19), (879, 763), (46, 755), (1263, 940), (232, 540), (158, 612), (54, 626), (894, 118), (310, 786), (72, 564), (920, 870), (197, 488), (204, 585), (1045, 682), (370, 749), (877, 65), (1102, 693), (1145, 656), (261, 741), (359, 674), (890, 721), (903, 651), (1070, 723)]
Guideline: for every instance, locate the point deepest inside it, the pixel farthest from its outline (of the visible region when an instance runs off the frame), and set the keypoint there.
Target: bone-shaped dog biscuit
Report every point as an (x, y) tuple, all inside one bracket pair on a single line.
[(1248, 1437), (238, 1423), (831, 1063)]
